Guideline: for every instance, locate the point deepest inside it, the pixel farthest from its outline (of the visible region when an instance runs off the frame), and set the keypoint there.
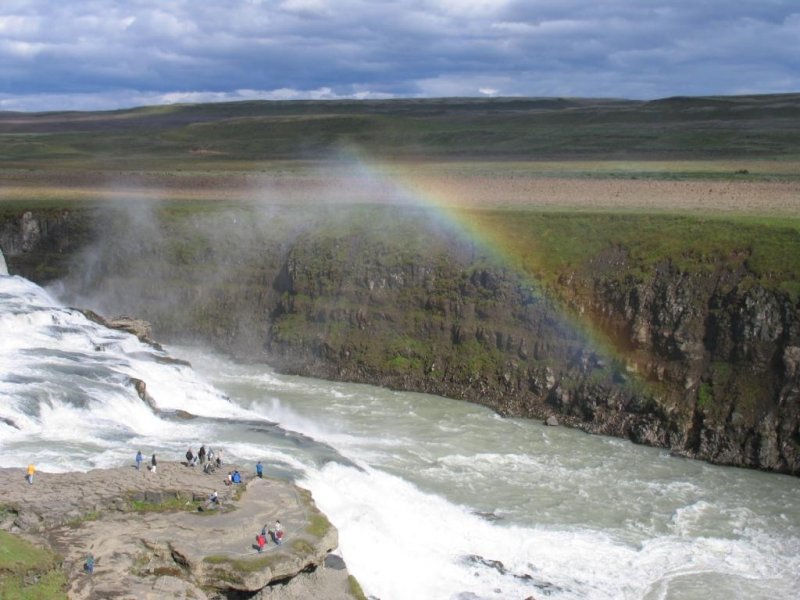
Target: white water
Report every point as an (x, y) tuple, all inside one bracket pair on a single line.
[(427, 493)]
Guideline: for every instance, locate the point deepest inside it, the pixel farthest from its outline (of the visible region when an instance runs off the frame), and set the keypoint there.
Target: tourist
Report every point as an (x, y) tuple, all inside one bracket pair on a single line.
[(260, 470), (229, 478), (277, 535), (201, 454), (31, 471), (213, 500), (139, 459), (190, 458), (236, 477), (153, 463), (261, 542), (88, 566), (210, 455)]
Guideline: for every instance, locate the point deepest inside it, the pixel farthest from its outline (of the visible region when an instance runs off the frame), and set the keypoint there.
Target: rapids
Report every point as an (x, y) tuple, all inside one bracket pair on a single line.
[(433, 498)]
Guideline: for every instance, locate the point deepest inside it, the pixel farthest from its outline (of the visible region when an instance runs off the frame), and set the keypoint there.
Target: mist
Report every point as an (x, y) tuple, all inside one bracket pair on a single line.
[(216, 270)]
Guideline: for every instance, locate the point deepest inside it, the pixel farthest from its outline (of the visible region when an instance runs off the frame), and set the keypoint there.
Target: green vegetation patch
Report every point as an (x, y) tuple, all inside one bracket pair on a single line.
[(89, 516), (260, 562), (549, 244), (240, 135), (355, 588), (705, 395), (318, 525), (28, 572), (172, 503)]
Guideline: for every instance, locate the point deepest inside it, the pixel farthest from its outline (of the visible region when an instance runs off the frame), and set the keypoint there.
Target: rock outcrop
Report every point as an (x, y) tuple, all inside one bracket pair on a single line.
[(150, 537)]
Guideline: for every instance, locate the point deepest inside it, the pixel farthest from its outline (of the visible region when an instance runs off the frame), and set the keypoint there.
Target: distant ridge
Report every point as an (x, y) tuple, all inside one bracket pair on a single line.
[(508, 128)]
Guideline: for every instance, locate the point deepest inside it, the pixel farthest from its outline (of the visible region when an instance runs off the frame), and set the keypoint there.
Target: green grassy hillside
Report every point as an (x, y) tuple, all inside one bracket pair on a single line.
[(504, 129)]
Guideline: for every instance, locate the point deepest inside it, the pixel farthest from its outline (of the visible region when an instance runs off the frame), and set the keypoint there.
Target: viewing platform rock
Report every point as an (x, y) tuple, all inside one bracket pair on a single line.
[(155, 535)]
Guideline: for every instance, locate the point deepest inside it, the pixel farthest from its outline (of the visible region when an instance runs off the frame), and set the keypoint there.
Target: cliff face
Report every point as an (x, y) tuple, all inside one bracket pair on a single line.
[(726, 350), (41, 242), (703, 361)]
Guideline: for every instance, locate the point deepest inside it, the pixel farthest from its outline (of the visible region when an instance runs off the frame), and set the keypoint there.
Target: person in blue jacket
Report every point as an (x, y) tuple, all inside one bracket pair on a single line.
[(260, 470)]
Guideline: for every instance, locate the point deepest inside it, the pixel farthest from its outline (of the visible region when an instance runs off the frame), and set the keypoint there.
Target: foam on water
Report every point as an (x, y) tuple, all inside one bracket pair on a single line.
[(67, 382), (389, 528)]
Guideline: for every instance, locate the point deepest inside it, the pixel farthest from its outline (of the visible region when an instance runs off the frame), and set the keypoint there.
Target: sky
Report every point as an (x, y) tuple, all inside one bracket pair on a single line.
[(107, 54)]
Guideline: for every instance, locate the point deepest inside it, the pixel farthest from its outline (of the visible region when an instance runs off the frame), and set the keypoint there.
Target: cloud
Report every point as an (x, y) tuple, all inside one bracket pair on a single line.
[(130, 98), (97, 53)]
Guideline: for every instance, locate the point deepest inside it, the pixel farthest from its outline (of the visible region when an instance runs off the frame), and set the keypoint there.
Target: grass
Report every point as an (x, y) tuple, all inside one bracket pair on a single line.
[(318, 525), (178, 503), (302, 547), (544, 244), (355, 588), (705, 395), (28, 572), (203, 137), (89, 516), (248, 565)]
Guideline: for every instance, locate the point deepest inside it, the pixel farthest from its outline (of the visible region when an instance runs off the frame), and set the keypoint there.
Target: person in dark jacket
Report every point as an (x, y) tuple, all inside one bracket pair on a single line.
[(153, 463)]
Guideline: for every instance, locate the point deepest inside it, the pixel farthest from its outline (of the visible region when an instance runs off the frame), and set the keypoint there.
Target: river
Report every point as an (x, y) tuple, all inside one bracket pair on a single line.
[(433, 498)]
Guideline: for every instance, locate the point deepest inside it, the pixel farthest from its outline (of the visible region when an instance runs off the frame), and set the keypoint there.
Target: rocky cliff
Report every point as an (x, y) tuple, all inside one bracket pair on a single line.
[(701, 357)]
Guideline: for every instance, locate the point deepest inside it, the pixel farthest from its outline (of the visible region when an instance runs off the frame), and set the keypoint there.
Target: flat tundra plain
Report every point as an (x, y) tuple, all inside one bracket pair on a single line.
[(479, 185)]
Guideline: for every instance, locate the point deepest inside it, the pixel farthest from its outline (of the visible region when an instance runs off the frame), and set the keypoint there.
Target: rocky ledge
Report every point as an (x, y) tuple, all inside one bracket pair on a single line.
[(155, 536)]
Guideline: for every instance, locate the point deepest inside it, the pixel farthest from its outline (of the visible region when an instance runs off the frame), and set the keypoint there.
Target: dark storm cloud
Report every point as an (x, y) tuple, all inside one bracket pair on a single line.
[(109, 53)]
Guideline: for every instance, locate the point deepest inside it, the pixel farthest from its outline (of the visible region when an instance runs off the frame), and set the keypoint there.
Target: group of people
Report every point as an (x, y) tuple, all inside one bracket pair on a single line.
[(208, 460), (276, 535), (140, 459)]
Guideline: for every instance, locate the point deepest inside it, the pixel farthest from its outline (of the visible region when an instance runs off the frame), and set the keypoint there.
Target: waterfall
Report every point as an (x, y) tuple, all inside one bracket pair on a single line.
[(3, 266)]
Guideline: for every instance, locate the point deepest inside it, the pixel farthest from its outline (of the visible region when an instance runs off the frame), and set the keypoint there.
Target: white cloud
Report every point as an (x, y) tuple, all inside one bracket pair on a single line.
[(130, 98), (18, 26), (19, 49), (307, 8)]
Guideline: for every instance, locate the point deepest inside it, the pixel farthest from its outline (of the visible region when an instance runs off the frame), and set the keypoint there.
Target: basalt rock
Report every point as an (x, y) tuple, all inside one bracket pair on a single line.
[(138, 327)]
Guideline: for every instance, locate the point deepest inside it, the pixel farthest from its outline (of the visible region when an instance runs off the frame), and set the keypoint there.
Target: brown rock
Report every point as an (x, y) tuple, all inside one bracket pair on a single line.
[(172, 549)]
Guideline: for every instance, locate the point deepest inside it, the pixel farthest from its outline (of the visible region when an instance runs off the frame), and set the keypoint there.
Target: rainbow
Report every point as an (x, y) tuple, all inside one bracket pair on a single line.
[(485, 228)]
